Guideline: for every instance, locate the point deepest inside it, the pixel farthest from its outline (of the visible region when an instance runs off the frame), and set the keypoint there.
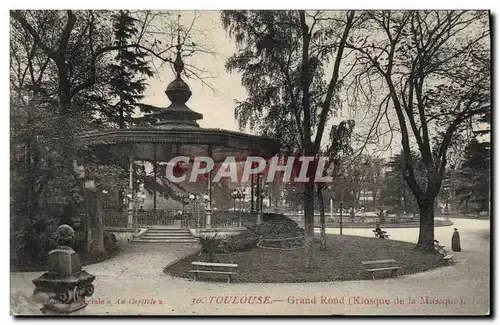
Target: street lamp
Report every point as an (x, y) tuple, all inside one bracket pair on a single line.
[(185, 202), (234, 195), (105, 192), (242, 196), (237, 194), (208, 209), (192, 198)]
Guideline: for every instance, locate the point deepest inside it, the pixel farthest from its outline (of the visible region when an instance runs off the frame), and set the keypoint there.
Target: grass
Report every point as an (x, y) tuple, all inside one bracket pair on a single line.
[(341, 261), (86, 259), (409, 224)]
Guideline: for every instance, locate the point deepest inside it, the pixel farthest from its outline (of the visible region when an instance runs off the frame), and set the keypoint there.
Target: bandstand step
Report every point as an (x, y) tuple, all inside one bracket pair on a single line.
[(180, 231), (165, 235), (191, 240)]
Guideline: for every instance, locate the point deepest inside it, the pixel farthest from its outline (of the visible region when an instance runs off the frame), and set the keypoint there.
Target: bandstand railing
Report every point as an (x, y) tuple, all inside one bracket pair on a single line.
[(156, 218), (114, 218), (233, 219), (219, 219)]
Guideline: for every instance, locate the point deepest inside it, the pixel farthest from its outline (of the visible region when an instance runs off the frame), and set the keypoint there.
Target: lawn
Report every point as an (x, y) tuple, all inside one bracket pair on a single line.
[(341, 261)]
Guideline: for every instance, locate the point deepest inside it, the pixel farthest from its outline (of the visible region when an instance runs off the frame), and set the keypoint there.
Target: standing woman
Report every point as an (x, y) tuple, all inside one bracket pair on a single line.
[(455, 241)]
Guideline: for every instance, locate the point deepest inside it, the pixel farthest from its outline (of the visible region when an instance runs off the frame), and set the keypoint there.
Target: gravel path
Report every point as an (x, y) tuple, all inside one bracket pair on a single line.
[(133, 283)]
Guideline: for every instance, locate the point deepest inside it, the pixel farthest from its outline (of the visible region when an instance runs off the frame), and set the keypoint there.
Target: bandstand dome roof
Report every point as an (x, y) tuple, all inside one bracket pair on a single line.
[(175, 132)]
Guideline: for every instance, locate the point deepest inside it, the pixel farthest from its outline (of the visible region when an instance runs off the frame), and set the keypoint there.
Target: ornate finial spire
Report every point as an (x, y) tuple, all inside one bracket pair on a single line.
[(178, 91), (178, 63)]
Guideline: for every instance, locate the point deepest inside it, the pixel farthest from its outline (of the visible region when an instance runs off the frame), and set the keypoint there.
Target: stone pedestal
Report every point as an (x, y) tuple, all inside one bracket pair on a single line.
[(130, 218), (208, 219), (65, 285), (259, 217)]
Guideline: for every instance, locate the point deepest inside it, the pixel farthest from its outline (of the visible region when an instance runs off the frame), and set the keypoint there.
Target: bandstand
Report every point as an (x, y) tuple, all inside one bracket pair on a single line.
[(173, 131)]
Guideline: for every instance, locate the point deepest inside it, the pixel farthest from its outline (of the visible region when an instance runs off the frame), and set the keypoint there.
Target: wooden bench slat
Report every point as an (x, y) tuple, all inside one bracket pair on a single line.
[(385, 268), (378, 262), (207, 271), (447, 257), (214, 264)]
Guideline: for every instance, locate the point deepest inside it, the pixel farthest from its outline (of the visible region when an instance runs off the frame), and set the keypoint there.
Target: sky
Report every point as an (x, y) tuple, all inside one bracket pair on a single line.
[(216, 106)]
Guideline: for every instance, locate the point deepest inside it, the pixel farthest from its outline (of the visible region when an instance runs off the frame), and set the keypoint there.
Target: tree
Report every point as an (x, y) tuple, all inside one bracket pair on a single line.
[(66, 53), (434, 69), (339, 148), (396, 194), (474, 177), (283, 57), (128, 71)]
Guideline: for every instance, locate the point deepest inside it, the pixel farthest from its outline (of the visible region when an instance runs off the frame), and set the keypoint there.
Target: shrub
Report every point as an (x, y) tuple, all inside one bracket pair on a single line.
[(277, 227), (37, 240), (241, 242), (110, 242), (274, 226), (210, 246), (266, 217), (80, 241)]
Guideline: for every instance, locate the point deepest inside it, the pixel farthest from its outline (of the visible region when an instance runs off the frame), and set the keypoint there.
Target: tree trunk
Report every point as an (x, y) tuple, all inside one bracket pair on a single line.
[(98, 238), (309, 223), (309, 209), (426, 233), (121, 198), (322, 219), (88, 218)]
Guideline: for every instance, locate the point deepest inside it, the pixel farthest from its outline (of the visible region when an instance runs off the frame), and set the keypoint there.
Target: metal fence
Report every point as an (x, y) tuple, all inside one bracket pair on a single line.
[(233, 219), (156, 218), (219, 219), (114, 218)]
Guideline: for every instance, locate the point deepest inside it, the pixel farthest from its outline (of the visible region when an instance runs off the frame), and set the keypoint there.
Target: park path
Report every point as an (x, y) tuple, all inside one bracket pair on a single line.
[(133, 283)]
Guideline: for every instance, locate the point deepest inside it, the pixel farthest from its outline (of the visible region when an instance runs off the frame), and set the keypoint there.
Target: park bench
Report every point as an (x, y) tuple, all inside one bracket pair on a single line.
[(440, 248), (214, 268), (377, 235), (381, 265)]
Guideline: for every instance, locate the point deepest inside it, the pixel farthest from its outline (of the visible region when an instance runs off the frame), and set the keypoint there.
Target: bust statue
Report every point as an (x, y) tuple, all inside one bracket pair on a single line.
[(64, 260), (65, 235), (64, 287)]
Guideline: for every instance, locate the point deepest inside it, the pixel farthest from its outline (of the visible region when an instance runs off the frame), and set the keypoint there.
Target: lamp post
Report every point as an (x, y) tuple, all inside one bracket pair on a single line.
[(237, 194), (192, 198), (341, 217), (184, 203), (240, 195), (105, 193), (206, 200), (234, 194), (130, 203)]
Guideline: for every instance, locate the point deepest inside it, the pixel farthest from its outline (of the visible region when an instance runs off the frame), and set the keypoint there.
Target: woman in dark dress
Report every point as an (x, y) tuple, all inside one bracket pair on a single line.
[(455, 241)]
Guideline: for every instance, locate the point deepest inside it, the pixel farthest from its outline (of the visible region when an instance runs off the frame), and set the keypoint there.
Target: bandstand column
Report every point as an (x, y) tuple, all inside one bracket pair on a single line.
[(252, 194), (130, 220), (155, 158), (208, 212), (259, 200)]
